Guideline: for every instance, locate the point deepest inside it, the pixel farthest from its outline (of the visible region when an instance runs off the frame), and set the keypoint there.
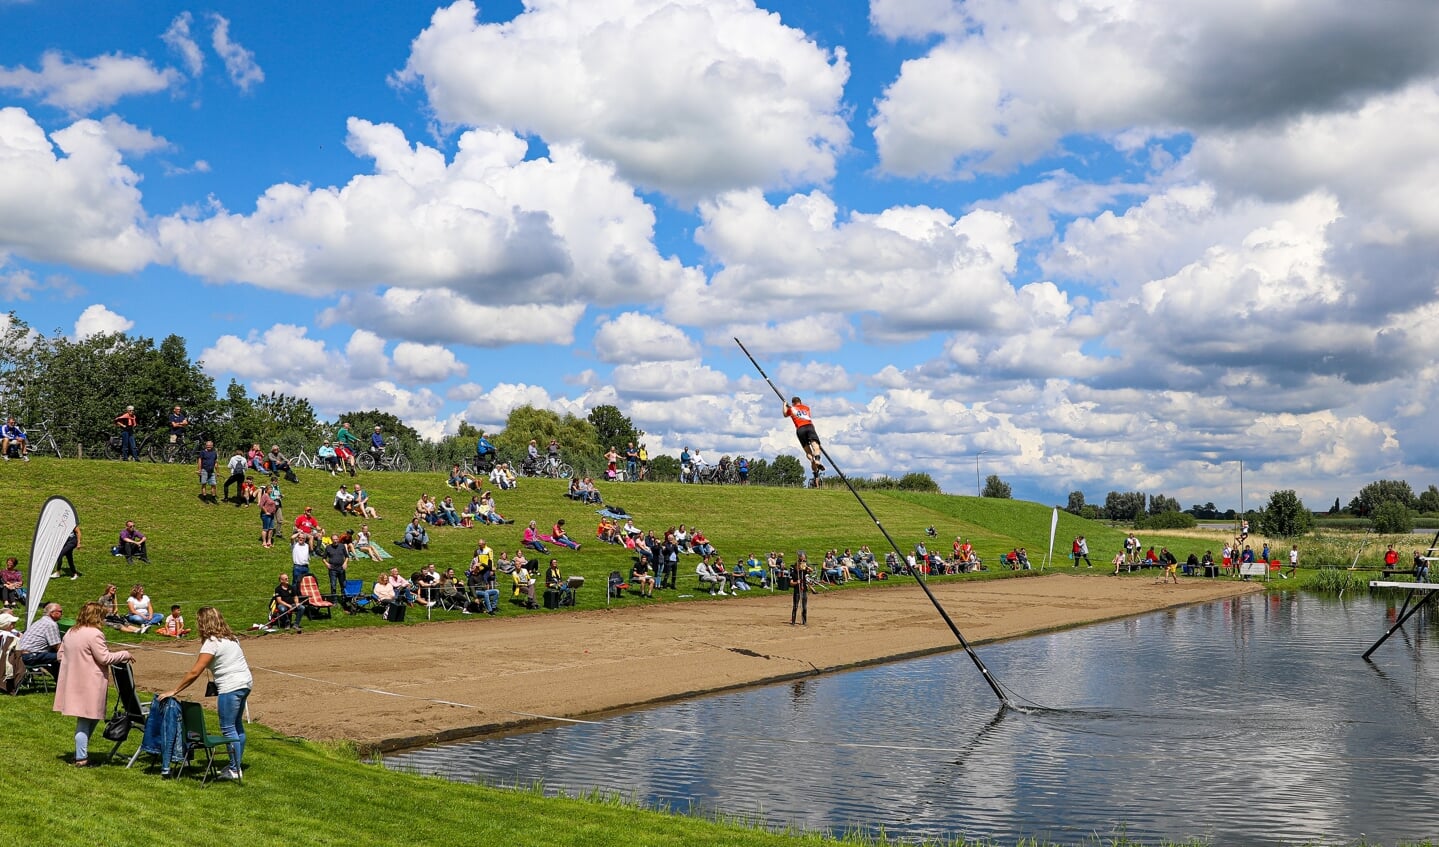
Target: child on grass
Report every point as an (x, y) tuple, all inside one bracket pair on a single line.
[(174, 625)]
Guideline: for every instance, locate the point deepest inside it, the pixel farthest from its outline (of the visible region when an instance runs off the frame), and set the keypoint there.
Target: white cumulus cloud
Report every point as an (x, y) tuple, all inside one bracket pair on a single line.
[(80, 208), (84, 85), (97, 319), (635, 337), (687, 96), (240, 63)]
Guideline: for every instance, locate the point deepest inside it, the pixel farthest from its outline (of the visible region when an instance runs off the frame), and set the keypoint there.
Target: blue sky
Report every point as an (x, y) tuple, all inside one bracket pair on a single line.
[(1113, 246)]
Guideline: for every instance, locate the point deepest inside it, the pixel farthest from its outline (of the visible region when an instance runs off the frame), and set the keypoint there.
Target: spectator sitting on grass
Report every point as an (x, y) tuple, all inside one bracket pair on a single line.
[(489, 512), (575, 492), (699, 544), (362, 504), (447, 511), (531, 539), (279, 464), (461, 480), (557, 535), (503, 476), (416, 536), (592, 494)]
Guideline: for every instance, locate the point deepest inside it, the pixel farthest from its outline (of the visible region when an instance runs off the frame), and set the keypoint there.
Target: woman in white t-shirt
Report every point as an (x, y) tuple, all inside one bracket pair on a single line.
[(142, 608), (220, 652)]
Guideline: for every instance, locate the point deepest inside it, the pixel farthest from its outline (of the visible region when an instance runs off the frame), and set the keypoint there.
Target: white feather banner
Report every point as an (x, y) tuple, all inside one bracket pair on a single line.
[(57, 521)]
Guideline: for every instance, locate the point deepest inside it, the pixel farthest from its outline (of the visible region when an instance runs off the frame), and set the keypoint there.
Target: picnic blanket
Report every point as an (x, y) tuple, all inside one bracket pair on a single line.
[(359, 554)]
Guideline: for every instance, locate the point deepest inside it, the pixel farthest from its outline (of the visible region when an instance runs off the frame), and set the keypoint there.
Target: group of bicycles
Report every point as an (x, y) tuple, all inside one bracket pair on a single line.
[(725, 473), (543, 467), (365, 460)]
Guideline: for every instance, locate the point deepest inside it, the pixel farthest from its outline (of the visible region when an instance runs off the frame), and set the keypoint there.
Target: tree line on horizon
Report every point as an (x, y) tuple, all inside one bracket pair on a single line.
[(78, 386), (1389, 506)]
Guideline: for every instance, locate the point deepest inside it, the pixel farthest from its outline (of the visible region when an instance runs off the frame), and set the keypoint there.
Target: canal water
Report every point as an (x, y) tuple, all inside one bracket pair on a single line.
[(1246, 721)]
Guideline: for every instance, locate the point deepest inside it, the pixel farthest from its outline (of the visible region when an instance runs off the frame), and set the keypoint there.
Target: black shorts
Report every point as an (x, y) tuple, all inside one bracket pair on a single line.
[(806, 434)]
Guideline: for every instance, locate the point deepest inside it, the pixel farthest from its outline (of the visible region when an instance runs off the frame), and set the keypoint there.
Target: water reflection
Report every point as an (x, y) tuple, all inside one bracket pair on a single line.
[(1251, 720)]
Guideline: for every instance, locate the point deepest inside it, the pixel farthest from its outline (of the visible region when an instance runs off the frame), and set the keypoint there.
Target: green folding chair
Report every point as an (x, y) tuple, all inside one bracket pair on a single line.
[(192, 723)]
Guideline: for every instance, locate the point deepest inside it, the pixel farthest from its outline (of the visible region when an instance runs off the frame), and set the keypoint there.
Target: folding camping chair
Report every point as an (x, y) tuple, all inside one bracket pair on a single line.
[(128, 701), (192, 718), (316, 606), (355, 600)]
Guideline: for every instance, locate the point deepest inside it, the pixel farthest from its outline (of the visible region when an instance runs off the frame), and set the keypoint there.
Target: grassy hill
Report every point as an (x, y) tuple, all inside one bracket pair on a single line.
[(206, 553)]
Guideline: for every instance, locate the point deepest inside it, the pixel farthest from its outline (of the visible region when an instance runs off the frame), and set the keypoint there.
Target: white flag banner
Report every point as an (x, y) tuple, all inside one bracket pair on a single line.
[(57, 521), (1053, 525)]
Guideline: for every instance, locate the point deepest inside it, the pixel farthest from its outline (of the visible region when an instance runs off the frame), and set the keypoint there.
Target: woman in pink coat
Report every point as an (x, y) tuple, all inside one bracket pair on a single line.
[(83, 684)]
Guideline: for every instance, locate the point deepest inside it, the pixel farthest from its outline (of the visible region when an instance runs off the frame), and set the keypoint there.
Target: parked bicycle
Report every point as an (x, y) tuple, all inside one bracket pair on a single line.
[(387, 461), (547, 469), (42, 441)]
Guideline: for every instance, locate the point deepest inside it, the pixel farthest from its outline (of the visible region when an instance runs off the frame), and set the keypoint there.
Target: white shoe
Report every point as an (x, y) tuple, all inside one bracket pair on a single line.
[(25, 458), (712, 593), (724, 594)]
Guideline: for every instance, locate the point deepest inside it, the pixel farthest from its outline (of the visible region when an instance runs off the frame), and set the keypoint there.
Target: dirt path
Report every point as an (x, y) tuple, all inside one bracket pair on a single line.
[(399, 686)]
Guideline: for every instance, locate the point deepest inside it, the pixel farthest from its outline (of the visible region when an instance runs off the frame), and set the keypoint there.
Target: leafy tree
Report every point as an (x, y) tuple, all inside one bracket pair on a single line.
[(468, 430), (285, 420), (20, 369), (1124, 506), (997, 488), (1076, 503), (578, 442), (918, 481), (1207, 512), (666, 468), (759, 471), (1393, 517), (362, 424), (1382, 491), (1091, 512), (1285, 516), (1168, 519), (1159, 504), (786, 470), (1335, 509), (613, 429), (1429, 500)]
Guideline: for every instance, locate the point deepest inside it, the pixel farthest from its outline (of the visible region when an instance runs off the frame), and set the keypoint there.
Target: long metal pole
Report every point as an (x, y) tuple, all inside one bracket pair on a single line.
[(914, 572)]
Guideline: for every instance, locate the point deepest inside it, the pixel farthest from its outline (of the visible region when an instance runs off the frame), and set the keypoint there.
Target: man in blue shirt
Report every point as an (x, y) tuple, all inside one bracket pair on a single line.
[(11, 435), (206, 467), (178, 422), (485, 454), (377, 443)]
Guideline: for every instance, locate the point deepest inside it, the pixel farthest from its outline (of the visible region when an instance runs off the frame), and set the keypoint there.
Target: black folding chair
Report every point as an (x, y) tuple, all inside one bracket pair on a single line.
[(128, 700)]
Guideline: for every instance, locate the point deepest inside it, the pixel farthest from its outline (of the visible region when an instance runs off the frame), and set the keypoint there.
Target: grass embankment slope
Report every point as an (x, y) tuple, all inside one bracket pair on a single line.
[(205, 553), (322, 794)]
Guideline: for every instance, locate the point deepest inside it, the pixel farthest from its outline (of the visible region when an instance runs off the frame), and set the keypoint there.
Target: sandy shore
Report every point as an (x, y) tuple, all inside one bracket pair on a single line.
[(390, 687)]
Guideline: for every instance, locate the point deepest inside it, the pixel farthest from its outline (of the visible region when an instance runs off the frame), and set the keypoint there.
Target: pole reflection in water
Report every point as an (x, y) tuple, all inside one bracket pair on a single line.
[(1251, 720)]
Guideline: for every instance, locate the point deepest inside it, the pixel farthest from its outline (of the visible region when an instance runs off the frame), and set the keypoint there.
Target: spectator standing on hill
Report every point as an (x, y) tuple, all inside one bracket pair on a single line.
[(632, 461), (237, 466), (67, 554), (205, 466), (644, 461), (268, 507), (804, 430), (337, 561), (179, 423), (1294, 559), (1083, 553), (799, 577), (127, 423)]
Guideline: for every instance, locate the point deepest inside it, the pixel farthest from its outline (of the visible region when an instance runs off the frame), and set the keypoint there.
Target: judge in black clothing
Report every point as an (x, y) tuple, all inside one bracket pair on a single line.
[(799, 577)]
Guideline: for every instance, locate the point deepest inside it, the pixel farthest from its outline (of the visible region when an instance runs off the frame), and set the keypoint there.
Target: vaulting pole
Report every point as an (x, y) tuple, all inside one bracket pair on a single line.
[(978, 663)]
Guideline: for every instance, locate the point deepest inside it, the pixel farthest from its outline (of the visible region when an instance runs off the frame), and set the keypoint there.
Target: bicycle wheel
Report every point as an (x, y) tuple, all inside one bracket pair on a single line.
[(401, 463), (109, 449), (366, 461), (564, 471), (171, 454)]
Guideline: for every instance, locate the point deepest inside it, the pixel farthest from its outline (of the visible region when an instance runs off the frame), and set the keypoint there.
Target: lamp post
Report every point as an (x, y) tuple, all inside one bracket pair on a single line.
[(977, 490)]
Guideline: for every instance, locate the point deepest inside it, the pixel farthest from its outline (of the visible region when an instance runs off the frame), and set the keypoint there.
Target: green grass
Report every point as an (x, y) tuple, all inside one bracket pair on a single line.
[(298, 791), (203, 553)]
